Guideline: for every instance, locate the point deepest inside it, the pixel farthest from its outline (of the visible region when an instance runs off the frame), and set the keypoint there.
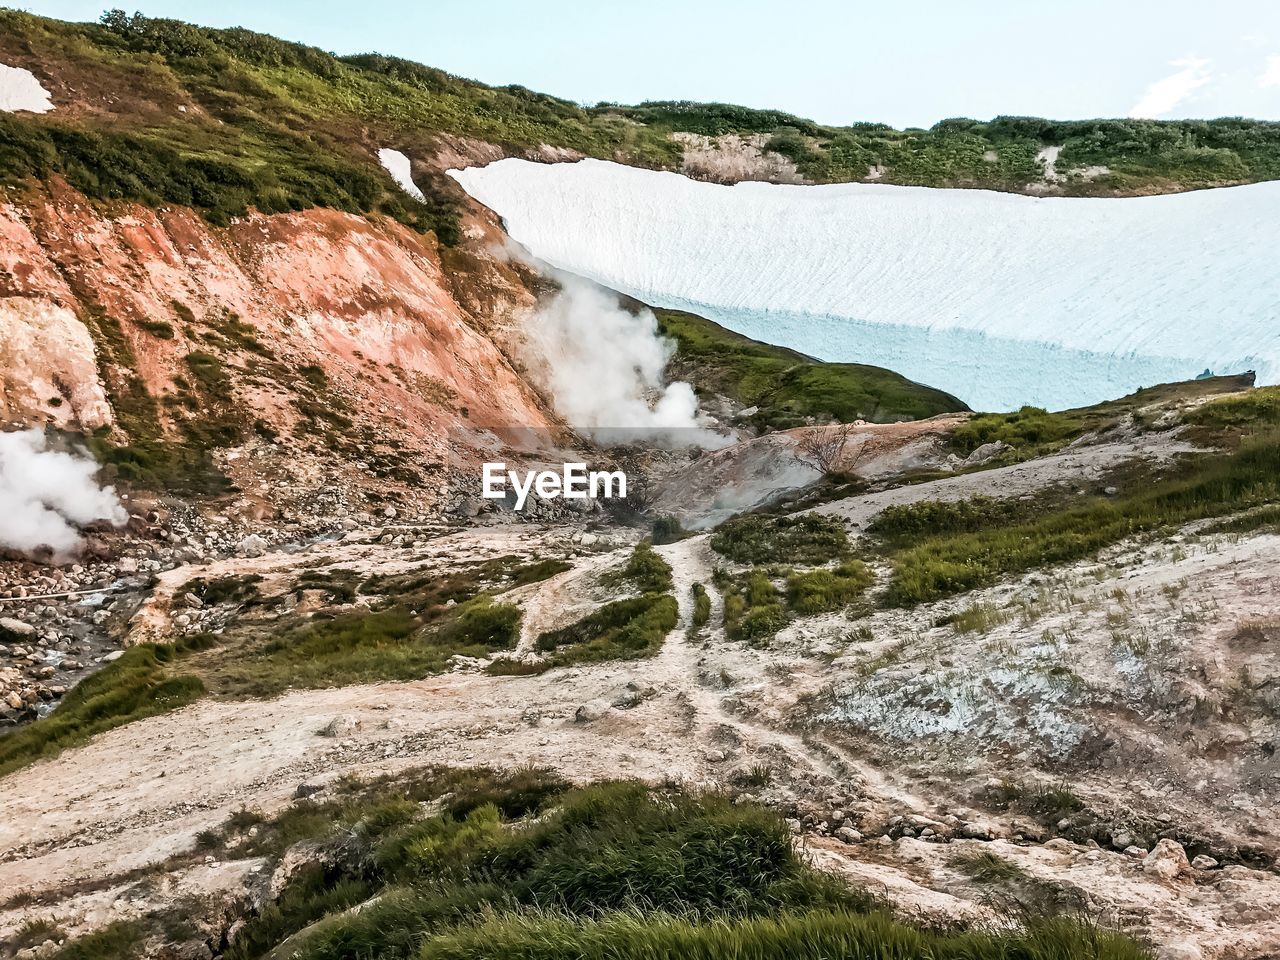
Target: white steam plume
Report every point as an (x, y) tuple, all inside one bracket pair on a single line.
[(603, 368), (45, 494)]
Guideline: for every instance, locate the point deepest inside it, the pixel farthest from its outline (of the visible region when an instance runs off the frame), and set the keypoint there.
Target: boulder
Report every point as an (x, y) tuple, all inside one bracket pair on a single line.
[(589, 712), (11, 629), (252, 546), (986, 452), (1167, 860), (340, 727), (1203, 862)]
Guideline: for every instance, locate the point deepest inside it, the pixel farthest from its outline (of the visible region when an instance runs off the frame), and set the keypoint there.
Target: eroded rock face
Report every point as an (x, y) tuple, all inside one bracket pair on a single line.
[(366, 301)]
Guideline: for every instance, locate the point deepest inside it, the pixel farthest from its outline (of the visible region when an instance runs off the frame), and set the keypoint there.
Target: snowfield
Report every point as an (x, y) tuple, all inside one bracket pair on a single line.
[(397, 164), (20, 90), (997, 298)]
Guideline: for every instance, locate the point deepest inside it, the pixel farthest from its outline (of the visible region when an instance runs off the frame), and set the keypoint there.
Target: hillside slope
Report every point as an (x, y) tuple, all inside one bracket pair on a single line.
[(219, 119)]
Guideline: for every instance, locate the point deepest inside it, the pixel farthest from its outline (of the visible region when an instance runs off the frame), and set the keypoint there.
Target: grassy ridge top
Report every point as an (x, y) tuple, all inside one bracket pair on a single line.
[(160, 111), (788, 388)]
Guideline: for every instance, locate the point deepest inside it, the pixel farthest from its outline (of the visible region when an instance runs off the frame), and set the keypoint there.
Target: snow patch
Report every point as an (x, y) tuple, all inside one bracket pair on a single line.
[(997, 298), (20, 90), (397, 164)]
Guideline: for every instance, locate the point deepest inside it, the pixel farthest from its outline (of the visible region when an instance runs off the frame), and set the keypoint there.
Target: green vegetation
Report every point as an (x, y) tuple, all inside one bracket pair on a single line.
[(976, 618), (753, 607), (622, 630), (280, 126), (1033, 431), (138, 684), (789, 388), (667, 530), (904, 524), (986, 867), (406, 638), (957, 549), (646, 570), (701, 608), (1000, 154), (1009, 882), (118, 940), (273, 125), (812, 935), (808, 538), (1254, 410), (35, 931), (823, 590), (153, 457), (478, 864), (363, 647)]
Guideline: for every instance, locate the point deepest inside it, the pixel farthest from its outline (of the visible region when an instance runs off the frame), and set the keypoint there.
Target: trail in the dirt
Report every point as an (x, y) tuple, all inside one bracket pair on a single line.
[(684, 661)]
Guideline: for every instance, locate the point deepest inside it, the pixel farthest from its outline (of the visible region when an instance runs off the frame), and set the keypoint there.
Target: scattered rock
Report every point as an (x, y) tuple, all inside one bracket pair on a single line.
[(1203, 862)]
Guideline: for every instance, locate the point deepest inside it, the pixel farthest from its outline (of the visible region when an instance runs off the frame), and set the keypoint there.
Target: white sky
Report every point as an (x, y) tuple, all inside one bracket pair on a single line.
[(900, 63)]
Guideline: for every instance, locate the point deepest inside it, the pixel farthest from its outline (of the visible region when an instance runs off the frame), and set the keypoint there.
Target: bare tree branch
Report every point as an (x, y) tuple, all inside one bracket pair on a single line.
[(823, 448)]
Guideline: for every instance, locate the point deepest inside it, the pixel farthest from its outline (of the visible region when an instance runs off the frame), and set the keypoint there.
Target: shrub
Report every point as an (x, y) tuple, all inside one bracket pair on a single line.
[(753, 609), (622, 630), (364, 647), (646, 570), (701, 607), (809, 538), (821, 591), (480, 623), (667, 530)]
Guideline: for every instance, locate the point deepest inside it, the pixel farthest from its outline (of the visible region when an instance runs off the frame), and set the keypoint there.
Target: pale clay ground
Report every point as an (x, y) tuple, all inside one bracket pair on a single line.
[(138, 794)]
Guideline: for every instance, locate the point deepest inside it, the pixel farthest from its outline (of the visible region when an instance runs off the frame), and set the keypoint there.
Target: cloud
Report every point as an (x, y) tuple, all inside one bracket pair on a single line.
[(1271, 75), (1163, 95)]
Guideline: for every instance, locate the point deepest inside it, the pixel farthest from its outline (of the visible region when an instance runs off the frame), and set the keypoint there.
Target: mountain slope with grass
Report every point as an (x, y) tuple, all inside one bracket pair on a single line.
[(953, 685)]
